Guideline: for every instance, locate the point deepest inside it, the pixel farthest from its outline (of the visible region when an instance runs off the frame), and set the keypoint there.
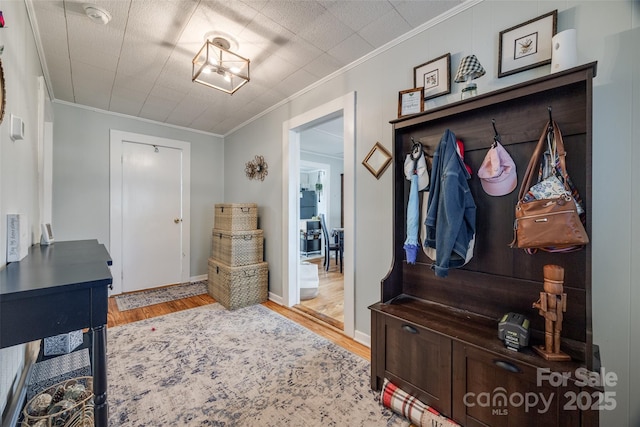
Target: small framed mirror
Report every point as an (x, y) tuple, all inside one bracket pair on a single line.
[(377, 160)]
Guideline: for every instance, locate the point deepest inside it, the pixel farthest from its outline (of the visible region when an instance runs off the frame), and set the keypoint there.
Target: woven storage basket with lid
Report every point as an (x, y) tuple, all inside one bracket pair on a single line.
[(235, 216), (236, 248), (236, 287)]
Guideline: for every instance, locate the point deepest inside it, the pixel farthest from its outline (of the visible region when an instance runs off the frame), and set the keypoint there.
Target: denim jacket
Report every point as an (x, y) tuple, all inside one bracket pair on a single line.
[(451, 215)]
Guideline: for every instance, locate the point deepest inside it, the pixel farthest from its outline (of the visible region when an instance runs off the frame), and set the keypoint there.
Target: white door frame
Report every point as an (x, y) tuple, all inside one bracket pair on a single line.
[(117, 138), (290, 202)]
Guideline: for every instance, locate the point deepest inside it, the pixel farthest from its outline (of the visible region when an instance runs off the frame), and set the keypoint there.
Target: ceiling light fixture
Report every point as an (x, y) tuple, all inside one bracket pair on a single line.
[(216, 66), (97, 14)]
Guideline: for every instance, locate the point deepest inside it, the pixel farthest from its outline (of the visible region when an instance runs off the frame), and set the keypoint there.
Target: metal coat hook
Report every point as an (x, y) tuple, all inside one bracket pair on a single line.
[(416, 152), (496, 137), (550, 129), (416, 149)]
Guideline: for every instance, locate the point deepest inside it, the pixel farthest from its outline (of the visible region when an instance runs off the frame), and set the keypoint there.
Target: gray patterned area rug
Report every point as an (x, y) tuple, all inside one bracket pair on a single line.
[(160, 295), (250, 367)]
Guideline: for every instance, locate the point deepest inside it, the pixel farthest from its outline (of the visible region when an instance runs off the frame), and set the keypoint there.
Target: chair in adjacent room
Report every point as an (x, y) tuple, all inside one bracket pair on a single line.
[(330, 246)]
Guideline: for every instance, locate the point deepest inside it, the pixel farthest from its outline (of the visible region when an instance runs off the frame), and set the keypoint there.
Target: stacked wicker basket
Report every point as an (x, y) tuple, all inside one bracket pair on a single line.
[(238, 275)]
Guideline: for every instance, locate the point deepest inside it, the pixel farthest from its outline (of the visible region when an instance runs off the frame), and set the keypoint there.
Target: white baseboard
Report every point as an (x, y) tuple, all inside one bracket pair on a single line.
[(362, 338), (199, 278), (276, 298)]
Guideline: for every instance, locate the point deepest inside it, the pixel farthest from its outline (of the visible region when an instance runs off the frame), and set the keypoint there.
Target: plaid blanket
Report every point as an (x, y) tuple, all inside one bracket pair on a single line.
[(411, 408)]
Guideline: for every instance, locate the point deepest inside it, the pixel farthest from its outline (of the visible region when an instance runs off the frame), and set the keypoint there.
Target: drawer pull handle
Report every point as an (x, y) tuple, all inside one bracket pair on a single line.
[(506, 366), (409, 329)]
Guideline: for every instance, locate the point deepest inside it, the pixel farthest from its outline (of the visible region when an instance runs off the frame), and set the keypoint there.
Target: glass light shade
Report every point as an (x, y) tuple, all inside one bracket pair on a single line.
[(219, 68)]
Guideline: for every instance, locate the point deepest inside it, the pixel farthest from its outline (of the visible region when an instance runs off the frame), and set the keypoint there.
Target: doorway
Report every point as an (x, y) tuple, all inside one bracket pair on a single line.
[(149, 212), (321, 166), (345, 107)]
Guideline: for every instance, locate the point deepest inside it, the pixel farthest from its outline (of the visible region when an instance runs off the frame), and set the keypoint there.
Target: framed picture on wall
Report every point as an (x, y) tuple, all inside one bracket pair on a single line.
[(434, 76), (527, 45), (410, 101)]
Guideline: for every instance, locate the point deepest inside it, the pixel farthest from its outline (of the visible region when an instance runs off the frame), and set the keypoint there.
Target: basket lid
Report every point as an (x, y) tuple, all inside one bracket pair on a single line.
[(237, 234), (236, 205), (257, 266)]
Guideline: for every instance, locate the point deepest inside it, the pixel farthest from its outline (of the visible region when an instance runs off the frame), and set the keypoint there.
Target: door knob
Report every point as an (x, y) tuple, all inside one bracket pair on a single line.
[(177, 220)]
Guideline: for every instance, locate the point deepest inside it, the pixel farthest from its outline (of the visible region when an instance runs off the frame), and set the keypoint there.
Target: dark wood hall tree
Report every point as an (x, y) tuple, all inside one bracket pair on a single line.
[(436, 337)]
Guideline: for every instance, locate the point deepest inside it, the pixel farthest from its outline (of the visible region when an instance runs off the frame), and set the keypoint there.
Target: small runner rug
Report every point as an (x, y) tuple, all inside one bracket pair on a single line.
[(208, 366), (160, 295)]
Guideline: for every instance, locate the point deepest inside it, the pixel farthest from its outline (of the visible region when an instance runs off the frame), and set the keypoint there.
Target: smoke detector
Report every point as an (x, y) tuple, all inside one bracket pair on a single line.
[(97, 14)]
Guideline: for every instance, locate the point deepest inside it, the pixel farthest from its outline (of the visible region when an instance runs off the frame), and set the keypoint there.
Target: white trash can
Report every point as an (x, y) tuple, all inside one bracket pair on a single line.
[(308, 278)]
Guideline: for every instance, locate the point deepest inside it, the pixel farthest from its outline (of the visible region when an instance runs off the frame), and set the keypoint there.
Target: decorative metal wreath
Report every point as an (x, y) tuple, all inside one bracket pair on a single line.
[(256, 168)]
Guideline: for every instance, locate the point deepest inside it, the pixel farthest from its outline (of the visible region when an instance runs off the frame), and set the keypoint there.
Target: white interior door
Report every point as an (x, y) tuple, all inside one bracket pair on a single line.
[(140, 247), (151, 216)]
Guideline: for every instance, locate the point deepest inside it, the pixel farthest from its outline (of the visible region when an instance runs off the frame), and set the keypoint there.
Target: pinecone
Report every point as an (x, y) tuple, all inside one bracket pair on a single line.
[(58, 395)]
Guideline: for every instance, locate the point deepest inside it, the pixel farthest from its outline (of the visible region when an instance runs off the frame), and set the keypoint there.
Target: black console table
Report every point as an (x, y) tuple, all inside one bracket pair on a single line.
[(58, 289)]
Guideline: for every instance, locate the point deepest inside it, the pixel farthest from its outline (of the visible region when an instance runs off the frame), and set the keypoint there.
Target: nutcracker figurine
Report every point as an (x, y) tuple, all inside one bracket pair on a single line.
[(551, 305)]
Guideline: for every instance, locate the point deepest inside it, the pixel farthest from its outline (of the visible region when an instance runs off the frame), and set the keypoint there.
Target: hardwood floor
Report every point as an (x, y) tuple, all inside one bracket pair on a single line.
[(328, 305), (116, 317)]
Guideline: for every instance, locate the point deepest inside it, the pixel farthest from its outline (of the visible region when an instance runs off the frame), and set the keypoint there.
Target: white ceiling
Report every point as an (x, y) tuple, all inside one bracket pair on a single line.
[(324, 138), (139, 64)]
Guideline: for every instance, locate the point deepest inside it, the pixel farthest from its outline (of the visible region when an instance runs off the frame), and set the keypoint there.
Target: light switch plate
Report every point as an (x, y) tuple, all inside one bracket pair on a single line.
[(17, 128)]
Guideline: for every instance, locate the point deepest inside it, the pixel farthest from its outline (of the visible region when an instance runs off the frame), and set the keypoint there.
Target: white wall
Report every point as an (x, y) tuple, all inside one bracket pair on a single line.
[(608, 32), (81, 176), (18, 159)]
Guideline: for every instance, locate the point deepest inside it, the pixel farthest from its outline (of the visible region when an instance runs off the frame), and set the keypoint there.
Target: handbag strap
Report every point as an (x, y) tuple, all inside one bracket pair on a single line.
[(562, 154), (534, 162)]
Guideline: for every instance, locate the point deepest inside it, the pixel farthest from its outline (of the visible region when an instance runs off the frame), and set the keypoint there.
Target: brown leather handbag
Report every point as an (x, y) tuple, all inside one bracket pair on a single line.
[(551, 224)]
